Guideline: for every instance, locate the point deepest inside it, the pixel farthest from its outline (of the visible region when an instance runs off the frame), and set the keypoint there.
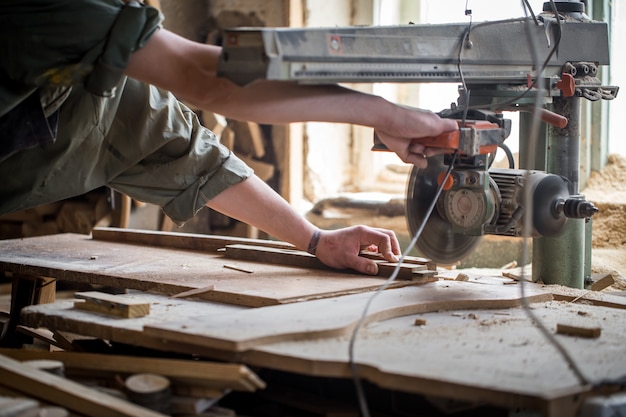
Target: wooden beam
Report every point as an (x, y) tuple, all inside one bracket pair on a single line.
[(66, 393), (190, 241), (198, 373)]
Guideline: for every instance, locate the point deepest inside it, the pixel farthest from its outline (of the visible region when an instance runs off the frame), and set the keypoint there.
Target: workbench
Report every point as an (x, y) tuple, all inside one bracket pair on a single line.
[(468, 341)]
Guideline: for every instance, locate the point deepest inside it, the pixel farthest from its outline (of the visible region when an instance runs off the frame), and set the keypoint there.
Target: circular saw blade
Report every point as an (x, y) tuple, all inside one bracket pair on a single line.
[(437, 241)]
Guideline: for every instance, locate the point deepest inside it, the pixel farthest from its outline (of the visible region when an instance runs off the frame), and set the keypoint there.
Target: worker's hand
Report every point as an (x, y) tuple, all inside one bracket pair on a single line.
[(340, 248), (408, 124)]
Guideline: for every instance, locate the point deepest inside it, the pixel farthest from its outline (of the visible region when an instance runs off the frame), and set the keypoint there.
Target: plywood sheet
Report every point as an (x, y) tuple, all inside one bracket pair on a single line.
[(494, 356), (476, 346), (62, 316), (169, 271), (247, 329)]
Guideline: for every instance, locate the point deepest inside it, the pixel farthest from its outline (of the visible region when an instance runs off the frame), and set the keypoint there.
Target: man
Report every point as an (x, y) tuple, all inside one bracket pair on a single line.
[(89, 95)]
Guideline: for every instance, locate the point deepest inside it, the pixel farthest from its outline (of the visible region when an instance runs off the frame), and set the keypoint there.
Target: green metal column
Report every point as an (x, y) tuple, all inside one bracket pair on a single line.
[(561, 260)]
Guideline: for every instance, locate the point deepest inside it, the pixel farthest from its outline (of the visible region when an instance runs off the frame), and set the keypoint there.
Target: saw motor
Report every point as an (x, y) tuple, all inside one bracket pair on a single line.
[(477, 200)]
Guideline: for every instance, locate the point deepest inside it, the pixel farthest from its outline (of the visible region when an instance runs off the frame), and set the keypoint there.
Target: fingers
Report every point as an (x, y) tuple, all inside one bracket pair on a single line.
[(340, 248)]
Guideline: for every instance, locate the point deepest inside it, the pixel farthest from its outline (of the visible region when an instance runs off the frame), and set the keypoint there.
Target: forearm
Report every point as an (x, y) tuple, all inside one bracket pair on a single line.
[(278, 102), (255, 203), (188, 69)]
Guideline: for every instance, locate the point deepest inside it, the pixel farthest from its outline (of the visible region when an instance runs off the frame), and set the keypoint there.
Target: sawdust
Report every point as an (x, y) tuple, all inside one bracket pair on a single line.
[(607, 190)]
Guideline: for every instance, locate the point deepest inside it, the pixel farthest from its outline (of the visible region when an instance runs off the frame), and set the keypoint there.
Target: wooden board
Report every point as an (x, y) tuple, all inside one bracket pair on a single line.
[(168, 271), (495, 356), (335, 317), (199, 373), (110, 304), (280, 256), (191, 241), (61, 316), (66, 393)]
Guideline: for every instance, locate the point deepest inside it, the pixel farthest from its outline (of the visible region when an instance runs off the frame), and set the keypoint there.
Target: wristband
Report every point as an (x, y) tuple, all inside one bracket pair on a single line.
[(315, 239)]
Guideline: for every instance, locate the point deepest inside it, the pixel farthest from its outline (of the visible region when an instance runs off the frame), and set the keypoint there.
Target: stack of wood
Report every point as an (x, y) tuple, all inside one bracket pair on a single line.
[(92, 384), (24, 407), (76, 215)]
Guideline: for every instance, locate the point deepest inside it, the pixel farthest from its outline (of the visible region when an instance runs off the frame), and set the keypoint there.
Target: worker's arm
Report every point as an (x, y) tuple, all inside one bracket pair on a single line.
[(188, 69), (254, 202)]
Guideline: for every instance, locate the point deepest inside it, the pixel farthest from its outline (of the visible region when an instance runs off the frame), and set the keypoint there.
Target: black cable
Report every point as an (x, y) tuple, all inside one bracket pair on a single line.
[(534, 131), (509, 155), (353, 365), (553, 50)]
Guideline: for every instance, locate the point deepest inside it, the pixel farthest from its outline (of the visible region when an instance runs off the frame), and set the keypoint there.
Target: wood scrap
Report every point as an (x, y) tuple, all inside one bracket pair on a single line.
[(579, 331), (205, 243), (14, 407), (194, 292), (150, 391), (303, 259), (112, 305), (191, 405), (198, 373), (236, 268), (601, 281), (65, 393), (417, 260)]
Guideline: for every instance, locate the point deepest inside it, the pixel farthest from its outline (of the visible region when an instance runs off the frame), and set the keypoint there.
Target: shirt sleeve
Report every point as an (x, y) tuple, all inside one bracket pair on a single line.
[(50, 43)]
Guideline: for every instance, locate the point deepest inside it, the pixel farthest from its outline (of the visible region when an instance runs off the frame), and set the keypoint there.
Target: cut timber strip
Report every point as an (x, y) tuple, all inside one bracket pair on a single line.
[(198, 373), (586, 332), (205, 243), (417, 260), (407, 271), (66, 393), (112, 305)]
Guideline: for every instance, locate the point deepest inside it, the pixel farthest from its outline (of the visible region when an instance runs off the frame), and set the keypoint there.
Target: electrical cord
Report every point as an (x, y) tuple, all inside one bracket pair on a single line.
[(553, 50), (353, 365), (532, 140), (362, 401)]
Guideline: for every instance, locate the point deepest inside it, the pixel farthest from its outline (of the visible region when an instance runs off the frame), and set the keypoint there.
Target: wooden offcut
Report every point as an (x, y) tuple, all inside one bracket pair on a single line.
[(66, 393), (578, 331), (190, 241), (111, 304), (406, 270), (201, 374)]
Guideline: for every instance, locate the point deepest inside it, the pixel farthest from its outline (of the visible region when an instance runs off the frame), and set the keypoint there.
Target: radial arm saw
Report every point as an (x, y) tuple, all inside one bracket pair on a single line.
[(545, 64)]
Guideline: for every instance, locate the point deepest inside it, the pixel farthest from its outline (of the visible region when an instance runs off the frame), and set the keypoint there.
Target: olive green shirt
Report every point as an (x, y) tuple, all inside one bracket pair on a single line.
[(104, 129)]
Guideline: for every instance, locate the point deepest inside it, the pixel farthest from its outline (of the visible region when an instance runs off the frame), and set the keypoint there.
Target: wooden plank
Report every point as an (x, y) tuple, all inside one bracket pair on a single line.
[(191, 241), (277, 256), (112, 305), (66, 393), (171, 271), (199, 373), (329, 318), (579, 331)]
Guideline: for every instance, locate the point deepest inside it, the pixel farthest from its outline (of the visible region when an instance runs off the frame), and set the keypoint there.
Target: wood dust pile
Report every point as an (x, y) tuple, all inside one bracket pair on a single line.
[(607, 190)]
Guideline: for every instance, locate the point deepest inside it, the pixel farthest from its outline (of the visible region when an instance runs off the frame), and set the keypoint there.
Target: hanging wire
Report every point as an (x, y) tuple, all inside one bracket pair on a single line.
[(532, 140), (353, 365)]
